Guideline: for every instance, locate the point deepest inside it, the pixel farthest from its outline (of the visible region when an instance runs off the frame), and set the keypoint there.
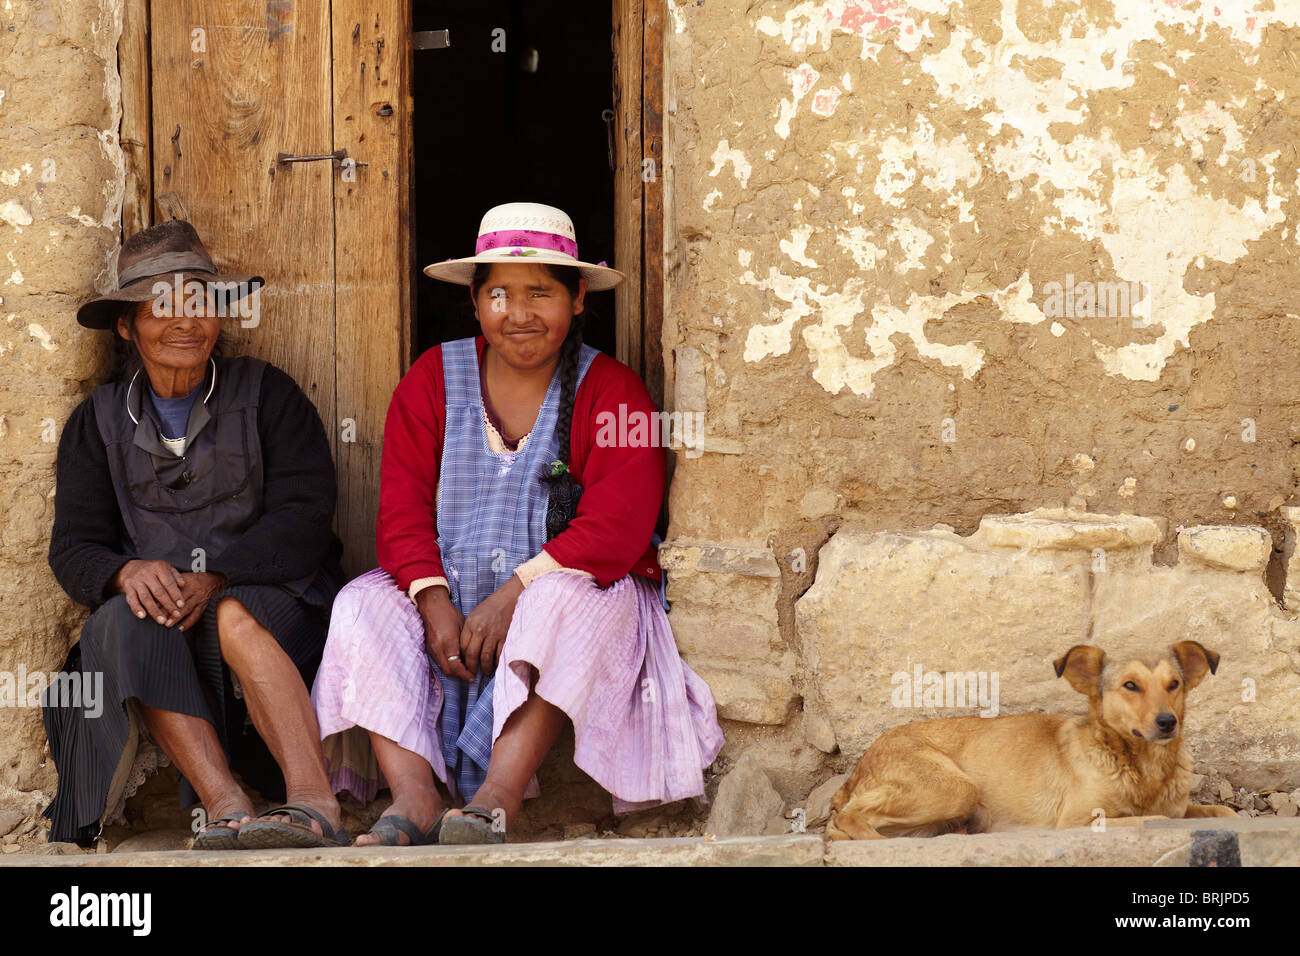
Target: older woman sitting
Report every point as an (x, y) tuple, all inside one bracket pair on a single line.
[(193, 511), (519, 585)]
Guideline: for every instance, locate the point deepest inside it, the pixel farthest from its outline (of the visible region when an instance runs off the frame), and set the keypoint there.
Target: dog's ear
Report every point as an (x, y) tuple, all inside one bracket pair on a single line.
[(1081, 666), (1195, 660)]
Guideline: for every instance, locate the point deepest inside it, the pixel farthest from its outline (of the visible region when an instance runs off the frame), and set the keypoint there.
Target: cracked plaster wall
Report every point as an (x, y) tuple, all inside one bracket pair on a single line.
[(883, 220)]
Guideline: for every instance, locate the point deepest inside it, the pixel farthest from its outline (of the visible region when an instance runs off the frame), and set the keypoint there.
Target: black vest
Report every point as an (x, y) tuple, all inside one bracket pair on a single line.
[(204, 499)]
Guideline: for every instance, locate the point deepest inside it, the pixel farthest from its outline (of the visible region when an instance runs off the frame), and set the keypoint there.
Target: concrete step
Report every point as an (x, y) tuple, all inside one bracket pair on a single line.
[(791, 850), (1271, 841)]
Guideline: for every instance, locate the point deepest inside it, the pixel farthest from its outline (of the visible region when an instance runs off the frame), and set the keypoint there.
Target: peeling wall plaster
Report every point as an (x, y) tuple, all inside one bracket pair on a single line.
[(1031, 96)]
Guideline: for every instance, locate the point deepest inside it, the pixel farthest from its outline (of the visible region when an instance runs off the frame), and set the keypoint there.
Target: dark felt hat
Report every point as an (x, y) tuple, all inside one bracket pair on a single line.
[(160, 253)]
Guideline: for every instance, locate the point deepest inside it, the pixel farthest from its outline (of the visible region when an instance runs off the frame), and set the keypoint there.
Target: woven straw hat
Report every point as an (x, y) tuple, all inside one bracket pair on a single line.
[(526, 232)]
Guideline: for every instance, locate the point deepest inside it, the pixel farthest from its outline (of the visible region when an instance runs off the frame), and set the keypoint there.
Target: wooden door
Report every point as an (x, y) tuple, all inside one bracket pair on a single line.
[(214, 90), (236, 84)]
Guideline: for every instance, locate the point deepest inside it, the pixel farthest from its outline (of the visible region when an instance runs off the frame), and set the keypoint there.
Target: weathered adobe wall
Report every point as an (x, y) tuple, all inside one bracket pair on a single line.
[(61, 186), (869, 203)]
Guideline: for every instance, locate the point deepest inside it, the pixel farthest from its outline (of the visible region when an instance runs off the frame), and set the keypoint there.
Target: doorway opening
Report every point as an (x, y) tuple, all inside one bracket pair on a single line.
[(512, 110)]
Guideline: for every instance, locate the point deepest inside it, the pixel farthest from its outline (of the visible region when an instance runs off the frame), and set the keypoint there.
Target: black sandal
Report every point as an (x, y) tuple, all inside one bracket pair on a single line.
[(216, 836), (263, 834), (390, 827), (478, 826)]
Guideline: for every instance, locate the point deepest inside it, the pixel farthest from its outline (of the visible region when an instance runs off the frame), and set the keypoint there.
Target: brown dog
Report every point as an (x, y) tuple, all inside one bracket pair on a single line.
[(973, 774)]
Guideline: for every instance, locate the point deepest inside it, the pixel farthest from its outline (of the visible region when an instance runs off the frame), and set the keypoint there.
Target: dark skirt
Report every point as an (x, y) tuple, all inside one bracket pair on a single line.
[(169, 670)]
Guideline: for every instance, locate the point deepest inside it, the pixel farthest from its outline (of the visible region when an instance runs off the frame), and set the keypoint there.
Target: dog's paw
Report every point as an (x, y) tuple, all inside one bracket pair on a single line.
[(1209, 810), (853, 829)]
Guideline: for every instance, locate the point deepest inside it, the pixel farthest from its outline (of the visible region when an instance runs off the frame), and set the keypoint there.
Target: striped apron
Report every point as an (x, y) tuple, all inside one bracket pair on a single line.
[(491, 519)]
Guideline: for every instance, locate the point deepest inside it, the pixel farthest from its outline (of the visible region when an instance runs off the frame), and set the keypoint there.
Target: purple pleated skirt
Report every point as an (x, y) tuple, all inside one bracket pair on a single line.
[(645, 725)]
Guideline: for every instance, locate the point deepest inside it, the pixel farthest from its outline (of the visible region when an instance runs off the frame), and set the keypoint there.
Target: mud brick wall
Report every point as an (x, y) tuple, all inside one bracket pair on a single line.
[(934, 261), (61, 187)]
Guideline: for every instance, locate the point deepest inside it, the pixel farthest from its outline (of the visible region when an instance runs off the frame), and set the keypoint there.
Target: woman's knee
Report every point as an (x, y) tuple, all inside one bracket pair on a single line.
[(114, 615), (349, 601), (113, 625), (369, 608), (369, 594), (238, 631)]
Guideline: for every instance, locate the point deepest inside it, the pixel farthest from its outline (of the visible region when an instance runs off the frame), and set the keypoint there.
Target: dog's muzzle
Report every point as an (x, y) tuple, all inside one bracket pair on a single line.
[(1167, 725)]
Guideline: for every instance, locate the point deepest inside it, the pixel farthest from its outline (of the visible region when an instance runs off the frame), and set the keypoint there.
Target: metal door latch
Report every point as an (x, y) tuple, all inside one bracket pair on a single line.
[(339, 156)]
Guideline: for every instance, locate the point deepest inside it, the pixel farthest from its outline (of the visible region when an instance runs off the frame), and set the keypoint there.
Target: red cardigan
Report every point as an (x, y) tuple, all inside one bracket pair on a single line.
[(622, 488)]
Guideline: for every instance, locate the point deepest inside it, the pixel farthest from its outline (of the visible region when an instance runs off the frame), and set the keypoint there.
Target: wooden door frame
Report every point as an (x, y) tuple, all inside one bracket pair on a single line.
[(638, 47)]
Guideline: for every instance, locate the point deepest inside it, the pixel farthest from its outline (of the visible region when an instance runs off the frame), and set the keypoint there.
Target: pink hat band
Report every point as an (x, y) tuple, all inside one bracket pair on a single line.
[(530, 238)]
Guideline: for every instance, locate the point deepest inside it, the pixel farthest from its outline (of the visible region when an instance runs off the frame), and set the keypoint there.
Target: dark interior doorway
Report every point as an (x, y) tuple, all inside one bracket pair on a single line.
[(523, 125)]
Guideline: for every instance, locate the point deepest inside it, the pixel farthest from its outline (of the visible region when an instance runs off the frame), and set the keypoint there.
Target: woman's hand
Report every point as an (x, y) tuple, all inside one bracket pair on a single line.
[(442, 626), (153, 589), (197, 589), (485, 628)]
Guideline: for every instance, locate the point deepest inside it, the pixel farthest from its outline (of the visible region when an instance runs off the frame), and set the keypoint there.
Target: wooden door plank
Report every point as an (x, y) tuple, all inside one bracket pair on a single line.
[(628, 212), (672, 249), (373, 246), (234, 82), (652, 127), (133, 65)]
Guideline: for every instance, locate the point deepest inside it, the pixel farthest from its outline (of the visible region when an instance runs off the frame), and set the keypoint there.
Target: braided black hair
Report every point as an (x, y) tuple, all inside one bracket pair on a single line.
[(562, 506)]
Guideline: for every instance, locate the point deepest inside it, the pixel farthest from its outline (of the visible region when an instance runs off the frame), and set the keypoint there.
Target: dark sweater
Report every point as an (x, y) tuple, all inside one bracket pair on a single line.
[(292, 539)]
